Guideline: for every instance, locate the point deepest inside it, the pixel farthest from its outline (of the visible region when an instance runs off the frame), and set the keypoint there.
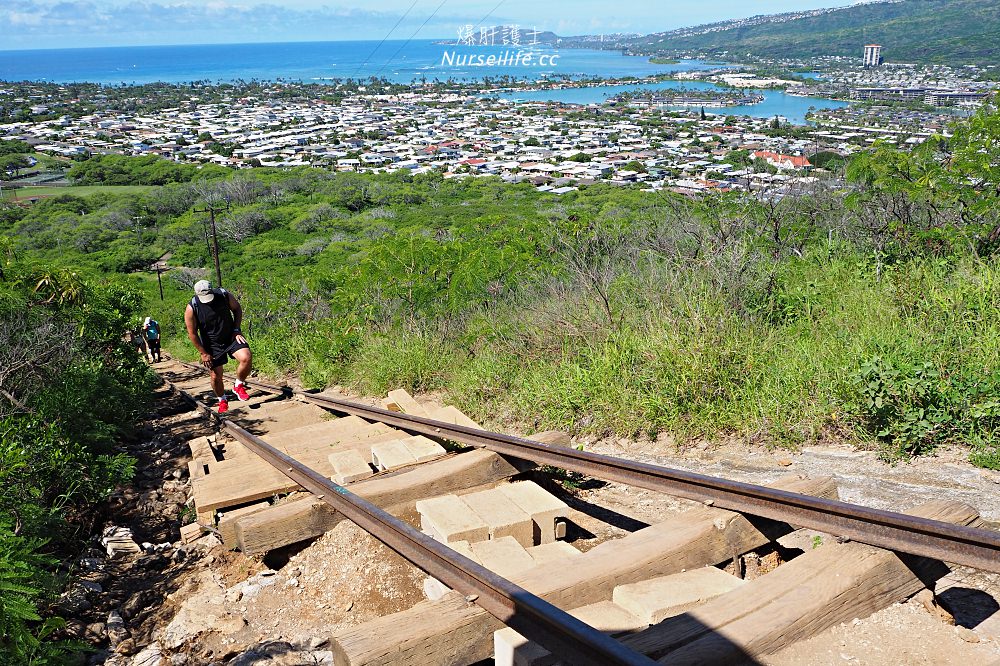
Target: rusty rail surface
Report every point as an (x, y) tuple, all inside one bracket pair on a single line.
[(558, 631), (957, 544)]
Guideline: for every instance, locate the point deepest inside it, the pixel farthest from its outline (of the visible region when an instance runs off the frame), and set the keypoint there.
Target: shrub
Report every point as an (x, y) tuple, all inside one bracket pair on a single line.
[(69, 387)]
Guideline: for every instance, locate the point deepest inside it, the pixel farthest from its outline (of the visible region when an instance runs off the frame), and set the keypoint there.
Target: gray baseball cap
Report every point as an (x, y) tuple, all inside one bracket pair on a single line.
[(203, 290)]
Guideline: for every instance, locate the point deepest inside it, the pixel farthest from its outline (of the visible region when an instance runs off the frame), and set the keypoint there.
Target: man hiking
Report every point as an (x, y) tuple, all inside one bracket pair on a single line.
[(151, 331), (213, 319)]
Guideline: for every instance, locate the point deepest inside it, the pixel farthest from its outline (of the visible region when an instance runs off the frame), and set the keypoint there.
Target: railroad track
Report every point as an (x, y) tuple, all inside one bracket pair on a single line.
[(282, 442)]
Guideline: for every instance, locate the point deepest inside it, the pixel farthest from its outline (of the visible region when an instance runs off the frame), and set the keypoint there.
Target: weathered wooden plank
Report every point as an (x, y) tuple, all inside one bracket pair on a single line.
[(201, 449), (308, 517), (463, 646), (196, 469), (273, 421), (817, 590), (247, 478), (401, 401), (439, 632), (512, 649), (450, 414), (326, 432), (227, 522), (191, 532), (553, 437), (317, 456), (238, 481)]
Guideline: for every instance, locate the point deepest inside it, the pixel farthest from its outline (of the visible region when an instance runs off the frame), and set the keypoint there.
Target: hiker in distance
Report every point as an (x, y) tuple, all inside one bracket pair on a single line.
[(151, 331), (213, 320)]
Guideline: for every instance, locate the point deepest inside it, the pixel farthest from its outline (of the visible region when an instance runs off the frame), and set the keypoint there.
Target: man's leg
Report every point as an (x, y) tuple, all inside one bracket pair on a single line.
[(245, 359), (217, 385)]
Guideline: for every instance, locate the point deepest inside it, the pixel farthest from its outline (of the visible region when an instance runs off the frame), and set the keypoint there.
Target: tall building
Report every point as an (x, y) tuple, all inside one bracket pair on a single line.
[(873, 55)]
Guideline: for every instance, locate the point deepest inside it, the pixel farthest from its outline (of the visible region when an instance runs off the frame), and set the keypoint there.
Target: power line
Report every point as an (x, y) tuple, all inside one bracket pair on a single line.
[(407, 42), (489, 14), (481, 21), (388, 34)]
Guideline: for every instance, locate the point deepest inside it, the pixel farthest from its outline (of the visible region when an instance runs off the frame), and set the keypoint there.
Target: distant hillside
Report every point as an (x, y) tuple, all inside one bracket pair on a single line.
[(922, 31)]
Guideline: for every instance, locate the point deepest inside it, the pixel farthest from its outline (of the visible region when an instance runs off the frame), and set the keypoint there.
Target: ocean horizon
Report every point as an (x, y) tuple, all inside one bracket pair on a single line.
[(400, 61)]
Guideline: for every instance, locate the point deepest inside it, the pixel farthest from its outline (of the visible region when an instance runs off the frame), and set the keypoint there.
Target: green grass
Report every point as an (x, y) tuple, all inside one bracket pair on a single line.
[(76, 190), (52, 162), (690, 365)]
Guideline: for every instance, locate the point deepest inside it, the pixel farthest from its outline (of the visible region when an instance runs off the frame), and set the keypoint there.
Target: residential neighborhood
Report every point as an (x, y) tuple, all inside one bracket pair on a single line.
[(462, 133)]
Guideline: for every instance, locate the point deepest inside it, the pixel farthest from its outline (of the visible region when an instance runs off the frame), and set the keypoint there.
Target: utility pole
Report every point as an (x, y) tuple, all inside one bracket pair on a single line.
[(158, 280), (212, 210)]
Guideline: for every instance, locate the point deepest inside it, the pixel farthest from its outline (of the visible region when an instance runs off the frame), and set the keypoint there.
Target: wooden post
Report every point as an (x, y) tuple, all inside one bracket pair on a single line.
[(215, 248)]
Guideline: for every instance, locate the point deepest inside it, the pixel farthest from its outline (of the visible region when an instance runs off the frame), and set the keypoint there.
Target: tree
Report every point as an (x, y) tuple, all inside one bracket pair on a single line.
[(243, 225), (12, 164), (14, 147)]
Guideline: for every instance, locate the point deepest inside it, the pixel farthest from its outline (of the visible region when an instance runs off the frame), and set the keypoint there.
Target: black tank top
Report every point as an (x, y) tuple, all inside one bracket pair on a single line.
[(215, 321)]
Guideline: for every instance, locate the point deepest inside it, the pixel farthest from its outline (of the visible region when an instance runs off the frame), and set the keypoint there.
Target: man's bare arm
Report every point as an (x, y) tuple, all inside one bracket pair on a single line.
[(237, 309), (192, 328)]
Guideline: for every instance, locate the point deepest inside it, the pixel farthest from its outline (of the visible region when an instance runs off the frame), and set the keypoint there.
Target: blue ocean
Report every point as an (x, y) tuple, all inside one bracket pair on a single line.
[(400, 61)]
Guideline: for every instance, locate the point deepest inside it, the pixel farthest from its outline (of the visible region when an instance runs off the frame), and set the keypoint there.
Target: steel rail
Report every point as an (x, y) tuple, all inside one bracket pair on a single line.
[(555, 629), (958, 544)]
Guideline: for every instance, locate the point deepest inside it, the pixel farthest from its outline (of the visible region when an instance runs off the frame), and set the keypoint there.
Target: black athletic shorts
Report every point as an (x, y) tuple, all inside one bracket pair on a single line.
[(222, 357)]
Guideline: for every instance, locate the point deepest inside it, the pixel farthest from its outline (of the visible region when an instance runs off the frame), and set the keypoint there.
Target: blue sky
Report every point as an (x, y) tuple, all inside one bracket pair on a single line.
[(26, 24)]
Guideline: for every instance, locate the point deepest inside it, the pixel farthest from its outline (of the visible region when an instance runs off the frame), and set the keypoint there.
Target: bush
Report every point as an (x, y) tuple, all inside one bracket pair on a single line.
[(24, 583), (124, 170), (70, 386), (903, 409)]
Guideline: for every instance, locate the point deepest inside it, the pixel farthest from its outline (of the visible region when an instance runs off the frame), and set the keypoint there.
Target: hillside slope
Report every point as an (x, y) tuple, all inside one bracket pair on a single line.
[(923, 31)]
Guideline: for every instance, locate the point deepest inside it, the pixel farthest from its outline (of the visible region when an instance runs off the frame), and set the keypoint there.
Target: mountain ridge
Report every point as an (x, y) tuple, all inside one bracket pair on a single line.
[(912, 31)]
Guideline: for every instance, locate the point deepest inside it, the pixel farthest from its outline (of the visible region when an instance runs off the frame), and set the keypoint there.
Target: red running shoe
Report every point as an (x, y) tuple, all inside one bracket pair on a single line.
[(241, 391), (223, 406)]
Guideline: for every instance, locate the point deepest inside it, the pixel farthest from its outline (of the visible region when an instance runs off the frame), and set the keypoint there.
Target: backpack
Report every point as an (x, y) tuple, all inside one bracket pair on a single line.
[(152, 331), (196, 307)]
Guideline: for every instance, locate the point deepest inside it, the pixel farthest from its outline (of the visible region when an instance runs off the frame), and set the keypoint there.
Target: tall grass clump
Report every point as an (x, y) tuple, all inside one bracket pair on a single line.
[(384, 362)]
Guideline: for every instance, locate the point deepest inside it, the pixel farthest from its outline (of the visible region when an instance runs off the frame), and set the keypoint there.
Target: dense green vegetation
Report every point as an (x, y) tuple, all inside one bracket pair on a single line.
[(912, 31), (605, 310), (608, 309), (872, 319), (69, 389), (148, 170)]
